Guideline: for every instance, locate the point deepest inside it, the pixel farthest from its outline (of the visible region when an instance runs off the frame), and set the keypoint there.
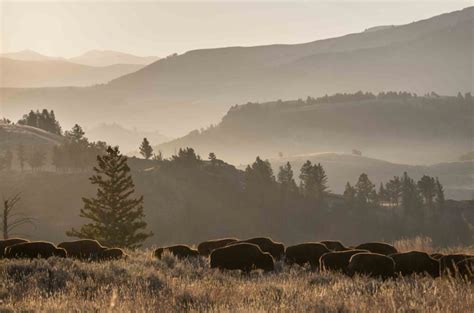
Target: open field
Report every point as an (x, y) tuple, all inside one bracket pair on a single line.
[(142, 283)]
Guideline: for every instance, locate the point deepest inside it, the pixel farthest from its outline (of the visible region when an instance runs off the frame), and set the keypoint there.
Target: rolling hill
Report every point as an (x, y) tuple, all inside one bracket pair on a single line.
[(194, 89), (457, 177), (400, 128), (109, 57), (52, 73)]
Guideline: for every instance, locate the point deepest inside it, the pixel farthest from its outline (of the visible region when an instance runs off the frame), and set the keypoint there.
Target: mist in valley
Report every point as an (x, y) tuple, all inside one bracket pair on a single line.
[(196, 121)]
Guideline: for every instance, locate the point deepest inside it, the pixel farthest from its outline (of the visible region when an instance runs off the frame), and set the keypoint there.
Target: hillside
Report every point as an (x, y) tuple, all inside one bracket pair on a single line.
[(381, 126), (52, 73), (457, 177), (194, 89), (127, 139), (108, 57)]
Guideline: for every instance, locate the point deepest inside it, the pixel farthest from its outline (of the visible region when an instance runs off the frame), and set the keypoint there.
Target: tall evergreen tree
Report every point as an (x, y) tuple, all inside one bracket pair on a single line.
[(145, 149), (116, 216), (439, 191), (260, 182), (36, 159), (394, 190), (427, 187), (349, 196), (366, 196), (287, 183), (411, 201)]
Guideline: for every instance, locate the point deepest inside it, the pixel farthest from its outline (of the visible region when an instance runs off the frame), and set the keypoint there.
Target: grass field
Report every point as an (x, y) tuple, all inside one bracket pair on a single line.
[(144, 284)]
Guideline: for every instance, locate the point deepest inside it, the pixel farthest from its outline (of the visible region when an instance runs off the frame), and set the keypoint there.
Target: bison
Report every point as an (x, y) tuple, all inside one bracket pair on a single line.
[(112, 254), (371, 264), (466, 268), (334, 245), (276, 249), (84, 249), (9, 242), (337, 260), (35, 249), (179, 251), (242, 256), (303, 253), (205, 248), (378, 247), (415, 262), (448, 263), (436, 256)]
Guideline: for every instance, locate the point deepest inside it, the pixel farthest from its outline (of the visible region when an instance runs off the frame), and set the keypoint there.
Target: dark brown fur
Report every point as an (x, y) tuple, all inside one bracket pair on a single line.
[(179, 251), (303, 253), (466, 268), (112, 254), (241, 256), (437, 256), (378, 247), (205, 248), (415, 262), (371, 264), (448, 263), (84, 249), (334, 245), (35, 249), (9, 242), (337, 260), (276, 249)]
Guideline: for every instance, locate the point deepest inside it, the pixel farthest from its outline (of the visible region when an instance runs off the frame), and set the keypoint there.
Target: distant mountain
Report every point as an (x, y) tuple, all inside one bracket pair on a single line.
[(457, 177), (377, 28), (28, 55), (53, 73), (195, 89), (128, 139), (391, 126), (109, 57)]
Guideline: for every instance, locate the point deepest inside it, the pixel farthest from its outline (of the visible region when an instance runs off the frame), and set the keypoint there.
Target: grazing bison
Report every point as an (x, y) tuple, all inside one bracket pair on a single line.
[(466, 268), (112, 254), (334, 245), (179, 251), (437, 256), (276, 249), (415, 262), (205, 248), (35, 249), (448, 263), (378, 247), (9, 242), (84, 249), (242, 256), (303, 253), (371, 264), (337, 260)]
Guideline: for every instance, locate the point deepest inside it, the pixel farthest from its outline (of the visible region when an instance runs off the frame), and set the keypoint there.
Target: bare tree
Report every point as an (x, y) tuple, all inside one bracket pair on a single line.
[(11, 218)]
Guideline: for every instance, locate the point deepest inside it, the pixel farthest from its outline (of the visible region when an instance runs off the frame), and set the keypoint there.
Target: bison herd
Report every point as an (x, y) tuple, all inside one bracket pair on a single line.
[(374, 259), (84, 249)]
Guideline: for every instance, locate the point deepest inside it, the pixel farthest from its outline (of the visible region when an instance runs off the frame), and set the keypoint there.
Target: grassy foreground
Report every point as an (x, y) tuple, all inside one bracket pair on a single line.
[(144, 284)]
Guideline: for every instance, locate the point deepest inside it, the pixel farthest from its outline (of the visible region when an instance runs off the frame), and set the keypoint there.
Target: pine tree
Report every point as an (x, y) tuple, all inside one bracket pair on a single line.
[(439, 191), (349, 195), (287, 182), (427, 187), (145, 149), (36, 159), (366, 195), (411, 201), (116, 216)]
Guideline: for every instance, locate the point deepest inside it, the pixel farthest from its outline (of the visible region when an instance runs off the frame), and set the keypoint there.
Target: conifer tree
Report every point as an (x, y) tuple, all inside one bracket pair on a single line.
[(287, 182), (439, 191), (116, 217), (145, 149)]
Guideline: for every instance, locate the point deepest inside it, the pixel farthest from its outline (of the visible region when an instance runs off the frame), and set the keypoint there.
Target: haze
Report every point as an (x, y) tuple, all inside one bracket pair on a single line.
[(67, 29)]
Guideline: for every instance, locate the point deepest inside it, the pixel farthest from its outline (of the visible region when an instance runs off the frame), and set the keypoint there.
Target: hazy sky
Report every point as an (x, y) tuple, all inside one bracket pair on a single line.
[(70, 28)]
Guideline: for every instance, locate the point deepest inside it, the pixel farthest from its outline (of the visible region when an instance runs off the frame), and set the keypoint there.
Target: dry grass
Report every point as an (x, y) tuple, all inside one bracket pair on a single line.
[(143, 284)]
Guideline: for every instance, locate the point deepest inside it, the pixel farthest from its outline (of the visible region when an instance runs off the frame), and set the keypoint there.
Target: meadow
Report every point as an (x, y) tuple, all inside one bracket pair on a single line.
[(142, 283)]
